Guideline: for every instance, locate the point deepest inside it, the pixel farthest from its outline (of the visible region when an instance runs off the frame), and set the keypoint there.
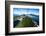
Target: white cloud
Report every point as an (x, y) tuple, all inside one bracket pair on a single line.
[(20, 13)]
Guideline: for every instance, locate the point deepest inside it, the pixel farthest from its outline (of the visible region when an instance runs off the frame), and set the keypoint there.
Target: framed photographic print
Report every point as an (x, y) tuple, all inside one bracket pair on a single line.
[(24, 17)]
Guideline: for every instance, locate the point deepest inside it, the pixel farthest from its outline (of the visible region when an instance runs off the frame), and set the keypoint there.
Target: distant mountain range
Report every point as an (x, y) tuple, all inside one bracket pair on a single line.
[(26, 15)]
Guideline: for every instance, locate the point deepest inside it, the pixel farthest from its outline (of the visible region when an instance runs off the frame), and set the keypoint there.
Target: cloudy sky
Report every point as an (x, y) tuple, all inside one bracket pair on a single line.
[(20, 11)]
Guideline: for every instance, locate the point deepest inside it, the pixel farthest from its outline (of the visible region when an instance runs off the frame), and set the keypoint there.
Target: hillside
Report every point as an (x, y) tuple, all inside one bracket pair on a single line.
[(26, 22)]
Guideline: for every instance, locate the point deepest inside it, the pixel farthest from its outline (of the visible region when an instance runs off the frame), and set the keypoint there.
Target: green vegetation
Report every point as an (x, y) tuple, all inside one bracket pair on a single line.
[(26, 22)]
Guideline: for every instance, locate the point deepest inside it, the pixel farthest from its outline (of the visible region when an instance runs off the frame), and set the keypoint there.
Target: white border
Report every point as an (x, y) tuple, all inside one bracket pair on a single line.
[(39, 28)]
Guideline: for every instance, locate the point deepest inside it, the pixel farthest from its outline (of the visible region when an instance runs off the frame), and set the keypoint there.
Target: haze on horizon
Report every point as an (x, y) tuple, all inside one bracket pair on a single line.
[(21, 11)]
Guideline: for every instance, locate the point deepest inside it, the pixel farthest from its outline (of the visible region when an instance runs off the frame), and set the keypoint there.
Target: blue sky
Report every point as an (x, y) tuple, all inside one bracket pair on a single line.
[(20, 11)]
